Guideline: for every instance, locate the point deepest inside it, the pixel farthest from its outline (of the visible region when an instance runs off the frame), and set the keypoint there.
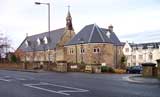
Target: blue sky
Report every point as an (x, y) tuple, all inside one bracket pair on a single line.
[(133, 20)]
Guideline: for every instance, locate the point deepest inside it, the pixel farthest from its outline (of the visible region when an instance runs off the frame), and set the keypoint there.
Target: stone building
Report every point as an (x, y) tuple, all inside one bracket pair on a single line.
[(141, 53), (47, 46), (92, 45)]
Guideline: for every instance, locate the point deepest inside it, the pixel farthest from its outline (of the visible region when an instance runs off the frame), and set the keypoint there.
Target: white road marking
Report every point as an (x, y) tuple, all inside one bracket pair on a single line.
[(77, 89), (5, 80), (126, 78), (64, 92), (21, 79), (46, 89)]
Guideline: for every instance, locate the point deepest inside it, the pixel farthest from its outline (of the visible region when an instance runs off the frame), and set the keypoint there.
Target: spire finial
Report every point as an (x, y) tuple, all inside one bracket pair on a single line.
[(69, 15), (68, 8)]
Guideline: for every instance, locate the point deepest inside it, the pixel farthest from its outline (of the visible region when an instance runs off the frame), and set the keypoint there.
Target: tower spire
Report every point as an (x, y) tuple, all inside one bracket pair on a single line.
[(69, 20), (69, 10)]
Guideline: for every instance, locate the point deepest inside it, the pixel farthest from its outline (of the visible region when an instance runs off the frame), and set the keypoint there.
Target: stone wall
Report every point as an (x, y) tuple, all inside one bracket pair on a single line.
[(158, 68), (106, 54), (11, 66), (147, 71), (68, 35), (117, 56)]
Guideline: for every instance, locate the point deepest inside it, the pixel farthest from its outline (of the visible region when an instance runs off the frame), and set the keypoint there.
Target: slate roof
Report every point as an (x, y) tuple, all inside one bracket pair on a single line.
[(146, 45), (93, 34), (55, 36), (114, 39)]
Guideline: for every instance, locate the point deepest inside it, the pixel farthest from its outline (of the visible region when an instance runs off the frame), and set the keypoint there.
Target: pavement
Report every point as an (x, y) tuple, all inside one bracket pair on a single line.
[(25, 70), (53, 84), (138, 79)]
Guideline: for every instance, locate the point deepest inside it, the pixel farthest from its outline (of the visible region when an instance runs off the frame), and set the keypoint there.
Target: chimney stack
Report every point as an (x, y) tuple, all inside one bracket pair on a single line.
[(110, 28)]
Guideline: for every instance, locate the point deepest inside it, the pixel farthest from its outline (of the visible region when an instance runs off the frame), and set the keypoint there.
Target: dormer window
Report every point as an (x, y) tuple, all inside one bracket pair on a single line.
[(45, 40), (108, 34), (28, 43), (38, 41), (41, 41)]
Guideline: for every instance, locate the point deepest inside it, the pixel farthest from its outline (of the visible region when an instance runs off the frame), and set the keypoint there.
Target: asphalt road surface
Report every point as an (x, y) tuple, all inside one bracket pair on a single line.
[(50, 84)]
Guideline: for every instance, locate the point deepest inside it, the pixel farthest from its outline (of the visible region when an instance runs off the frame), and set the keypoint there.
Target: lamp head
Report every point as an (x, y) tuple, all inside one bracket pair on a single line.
[(38, 3)]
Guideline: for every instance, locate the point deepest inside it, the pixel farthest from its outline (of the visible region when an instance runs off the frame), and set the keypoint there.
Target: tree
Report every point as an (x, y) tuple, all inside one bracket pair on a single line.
[(4, 46), (14, 58), (123, 62)]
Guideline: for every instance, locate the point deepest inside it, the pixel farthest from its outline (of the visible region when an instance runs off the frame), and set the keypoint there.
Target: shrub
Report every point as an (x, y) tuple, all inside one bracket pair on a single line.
[(111, 70), (14, 59), (107, 69), (104, 68)]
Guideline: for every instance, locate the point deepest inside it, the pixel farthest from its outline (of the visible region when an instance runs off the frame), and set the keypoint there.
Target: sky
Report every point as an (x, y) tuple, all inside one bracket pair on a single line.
[(133, 20)]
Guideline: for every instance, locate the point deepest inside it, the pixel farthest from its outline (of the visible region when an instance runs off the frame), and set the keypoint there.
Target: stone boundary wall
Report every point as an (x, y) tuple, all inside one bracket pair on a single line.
[(10, 66)]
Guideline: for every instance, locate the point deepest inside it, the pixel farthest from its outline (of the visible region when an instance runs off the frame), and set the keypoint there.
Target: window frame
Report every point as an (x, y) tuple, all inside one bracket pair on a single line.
[(126, 50), (96, 50)]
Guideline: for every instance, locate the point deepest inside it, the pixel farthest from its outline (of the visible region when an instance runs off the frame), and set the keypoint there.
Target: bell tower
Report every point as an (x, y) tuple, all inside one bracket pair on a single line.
[(69, 20)]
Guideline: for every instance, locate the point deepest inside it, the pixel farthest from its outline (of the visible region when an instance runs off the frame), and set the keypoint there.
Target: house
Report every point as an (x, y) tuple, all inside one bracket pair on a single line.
[(141, 53), (92, 45)]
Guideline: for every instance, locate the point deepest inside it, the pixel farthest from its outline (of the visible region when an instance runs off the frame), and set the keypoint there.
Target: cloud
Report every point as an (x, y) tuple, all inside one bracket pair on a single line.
[(140, 37)]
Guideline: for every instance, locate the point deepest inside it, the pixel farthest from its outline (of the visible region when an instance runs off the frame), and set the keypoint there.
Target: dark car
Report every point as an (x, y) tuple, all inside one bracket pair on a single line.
[(134, 69)]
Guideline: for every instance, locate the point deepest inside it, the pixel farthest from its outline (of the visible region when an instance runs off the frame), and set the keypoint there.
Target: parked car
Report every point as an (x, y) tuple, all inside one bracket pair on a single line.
[(134, 69)]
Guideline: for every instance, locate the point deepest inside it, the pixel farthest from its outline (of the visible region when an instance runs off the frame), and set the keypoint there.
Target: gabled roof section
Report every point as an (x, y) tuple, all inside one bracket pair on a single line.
[(90, 34), (55, 37)]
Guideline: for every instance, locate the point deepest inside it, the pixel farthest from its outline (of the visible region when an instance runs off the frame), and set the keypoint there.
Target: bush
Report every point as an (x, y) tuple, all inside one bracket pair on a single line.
[(14, 59), (104, 68), (111, 70), (107, 69)]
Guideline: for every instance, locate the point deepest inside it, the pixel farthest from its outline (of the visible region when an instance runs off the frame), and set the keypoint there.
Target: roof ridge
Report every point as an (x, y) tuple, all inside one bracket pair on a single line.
[(100, 33), (46, 32), (91, 34)]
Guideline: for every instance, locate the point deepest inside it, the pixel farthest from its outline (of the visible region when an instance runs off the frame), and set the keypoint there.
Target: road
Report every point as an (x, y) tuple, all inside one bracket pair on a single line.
[(51, 84)]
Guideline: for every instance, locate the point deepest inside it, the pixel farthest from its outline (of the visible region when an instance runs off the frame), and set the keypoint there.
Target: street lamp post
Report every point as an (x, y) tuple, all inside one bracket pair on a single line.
[(48, 4)]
